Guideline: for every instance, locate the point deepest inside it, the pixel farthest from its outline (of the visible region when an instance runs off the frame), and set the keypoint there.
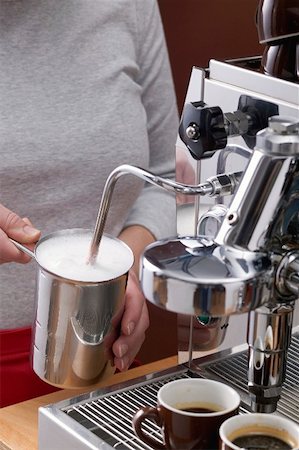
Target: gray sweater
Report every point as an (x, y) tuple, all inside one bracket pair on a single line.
[(85, 86)]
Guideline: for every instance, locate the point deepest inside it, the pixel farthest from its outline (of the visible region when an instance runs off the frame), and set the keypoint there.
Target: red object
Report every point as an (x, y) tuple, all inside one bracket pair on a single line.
[(18, 381)]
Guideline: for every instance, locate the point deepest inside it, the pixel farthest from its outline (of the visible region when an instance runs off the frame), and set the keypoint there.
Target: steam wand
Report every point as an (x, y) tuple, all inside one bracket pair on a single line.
[(222, 184)]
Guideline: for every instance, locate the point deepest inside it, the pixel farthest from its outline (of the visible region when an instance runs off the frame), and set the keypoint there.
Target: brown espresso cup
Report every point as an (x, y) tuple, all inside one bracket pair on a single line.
[(189, 413), (264, 431)]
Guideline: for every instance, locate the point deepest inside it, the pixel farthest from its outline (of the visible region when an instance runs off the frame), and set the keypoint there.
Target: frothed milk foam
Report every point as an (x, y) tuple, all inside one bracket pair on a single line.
[(67, 256)]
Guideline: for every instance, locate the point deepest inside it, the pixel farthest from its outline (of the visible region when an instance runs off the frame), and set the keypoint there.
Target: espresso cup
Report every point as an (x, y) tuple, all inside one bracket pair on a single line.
[(259, 431), (189, 413)]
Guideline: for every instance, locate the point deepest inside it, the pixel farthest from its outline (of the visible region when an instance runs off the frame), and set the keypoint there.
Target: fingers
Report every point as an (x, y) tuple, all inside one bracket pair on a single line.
[(11, 225), (126, 347), (9, 252), (133, 305), (17, 228), (135, 322)]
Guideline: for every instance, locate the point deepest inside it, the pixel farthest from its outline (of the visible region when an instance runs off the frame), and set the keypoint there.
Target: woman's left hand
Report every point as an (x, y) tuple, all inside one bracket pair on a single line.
[(134, 323)]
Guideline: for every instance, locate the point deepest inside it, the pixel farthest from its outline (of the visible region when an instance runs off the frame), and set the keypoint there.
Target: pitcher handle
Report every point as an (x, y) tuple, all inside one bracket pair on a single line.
[(23, 248)]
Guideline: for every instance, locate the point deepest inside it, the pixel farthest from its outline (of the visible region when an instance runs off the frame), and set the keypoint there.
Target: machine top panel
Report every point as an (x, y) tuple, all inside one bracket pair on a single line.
[(243, 74)]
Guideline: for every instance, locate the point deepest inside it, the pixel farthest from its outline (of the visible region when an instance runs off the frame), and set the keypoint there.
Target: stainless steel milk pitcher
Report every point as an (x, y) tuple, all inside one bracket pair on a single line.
[(73, 321)]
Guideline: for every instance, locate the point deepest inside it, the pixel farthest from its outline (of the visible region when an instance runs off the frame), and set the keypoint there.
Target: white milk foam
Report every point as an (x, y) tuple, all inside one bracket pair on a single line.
[(67, 255)]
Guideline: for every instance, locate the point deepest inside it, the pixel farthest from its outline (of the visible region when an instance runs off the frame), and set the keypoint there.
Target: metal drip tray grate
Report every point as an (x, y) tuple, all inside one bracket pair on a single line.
[(110, 417), (104, 420)]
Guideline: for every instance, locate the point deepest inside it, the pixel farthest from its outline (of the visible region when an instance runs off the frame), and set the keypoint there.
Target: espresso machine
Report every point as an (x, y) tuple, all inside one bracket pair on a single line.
[(232, 272)]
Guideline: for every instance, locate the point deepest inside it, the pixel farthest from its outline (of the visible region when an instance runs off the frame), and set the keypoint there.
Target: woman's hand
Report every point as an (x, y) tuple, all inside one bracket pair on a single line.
[(11, 225), (134, 323), (135, 319)]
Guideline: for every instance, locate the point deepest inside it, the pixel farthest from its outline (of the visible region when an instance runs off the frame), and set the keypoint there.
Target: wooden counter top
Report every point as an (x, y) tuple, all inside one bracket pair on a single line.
[(18, 423)]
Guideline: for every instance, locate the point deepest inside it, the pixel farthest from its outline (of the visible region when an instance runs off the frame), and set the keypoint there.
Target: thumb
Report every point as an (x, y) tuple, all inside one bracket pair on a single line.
[(19, 229)]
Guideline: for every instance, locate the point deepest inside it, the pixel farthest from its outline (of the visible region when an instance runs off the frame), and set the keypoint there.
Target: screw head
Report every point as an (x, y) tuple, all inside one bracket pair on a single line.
[(232, 218), (192, 131)]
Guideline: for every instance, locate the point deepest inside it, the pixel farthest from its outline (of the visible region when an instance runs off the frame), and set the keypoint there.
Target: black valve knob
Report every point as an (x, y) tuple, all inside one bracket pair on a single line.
[(202, 129), (258, 111)]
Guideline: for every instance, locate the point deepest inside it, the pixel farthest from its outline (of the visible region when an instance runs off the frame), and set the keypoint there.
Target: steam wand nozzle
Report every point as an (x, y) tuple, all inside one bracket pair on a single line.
[(222, 184)]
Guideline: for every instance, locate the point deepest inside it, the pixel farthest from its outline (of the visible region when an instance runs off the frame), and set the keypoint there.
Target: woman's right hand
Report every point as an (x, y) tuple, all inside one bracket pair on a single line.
[(21, 230)]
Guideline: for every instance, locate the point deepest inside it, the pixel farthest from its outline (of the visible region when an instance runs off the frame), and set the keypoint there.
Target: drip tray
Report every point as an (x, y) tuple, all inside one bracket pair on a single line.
[(103, 419)]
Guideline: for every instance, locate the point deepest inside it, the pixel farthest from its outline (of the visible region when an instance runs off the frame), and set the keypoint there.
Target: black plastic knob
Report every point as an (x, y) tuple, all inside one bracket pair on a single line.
[(259, 111), (202, 129)]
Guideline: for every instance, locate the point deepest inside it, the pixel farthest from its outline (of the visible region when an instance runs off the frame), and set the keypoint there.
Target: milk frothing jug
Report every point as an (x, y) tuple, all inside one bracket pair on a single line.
[(74, 318)]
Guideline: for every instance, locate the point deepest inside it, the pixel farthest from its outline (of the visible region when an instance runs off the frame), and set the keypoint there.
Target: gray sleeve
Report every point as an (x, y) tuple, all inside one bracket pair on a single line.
[(155, 208)]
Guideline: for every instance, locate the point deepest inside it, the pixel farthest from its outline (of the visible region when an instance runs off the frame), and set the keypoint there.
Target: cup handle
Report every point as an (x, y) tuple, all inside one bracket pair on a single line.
[(148, 413)]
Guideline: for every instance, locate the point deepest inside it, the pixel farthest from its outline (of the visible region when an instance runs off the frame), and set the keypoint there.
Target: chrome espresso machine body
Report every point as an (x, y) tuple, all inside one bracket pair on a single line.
[(246, 260), (236, 255)]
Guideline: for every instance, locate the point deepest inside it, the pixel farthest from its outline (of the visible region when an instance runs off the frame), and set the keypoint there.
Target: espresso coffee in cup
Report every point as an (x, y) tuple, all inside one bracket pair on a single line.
[(259, 431), (189, 413)]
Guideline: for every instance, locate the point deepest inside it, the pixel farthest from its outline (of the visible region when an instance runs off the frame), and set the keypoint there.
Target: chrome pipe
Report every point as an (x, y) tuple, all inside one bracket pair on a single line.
[(222, 184), (268, 336)]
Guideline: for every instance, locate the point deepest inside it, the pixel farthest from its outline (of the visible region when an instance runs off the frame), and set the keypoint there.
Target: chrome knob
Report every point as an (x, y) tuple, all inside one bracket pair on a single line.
[(193, 131), (284, 125)]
